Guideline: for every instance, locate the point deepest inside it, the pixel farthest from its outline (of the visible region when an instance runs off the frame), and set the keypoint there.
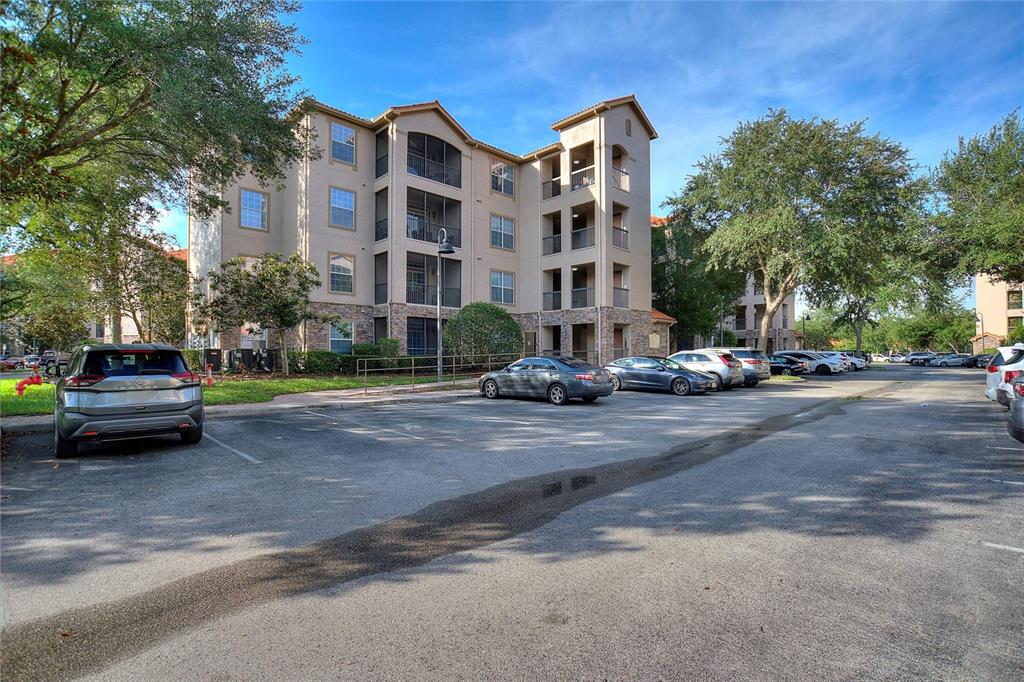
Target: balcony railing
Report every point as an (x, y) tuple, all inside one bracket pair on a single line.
[(620, 178), (434, 170), (552, 244), (426, 294), (620, 297), (620, 238), (740, 325), (380, 292), (425, 231), (582, 178), (551, 188), (583, 238), (380, 231), (552, 300), (583, 298), (382, 165)]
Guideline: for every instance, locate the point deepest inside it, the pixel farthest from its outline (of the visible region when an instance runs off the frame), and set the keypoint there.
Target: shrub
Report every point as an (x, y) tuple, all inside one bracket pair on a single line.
[(316, 361), (191, 356), (368, 349), (1016, 334), (482, 329), (389, 348)]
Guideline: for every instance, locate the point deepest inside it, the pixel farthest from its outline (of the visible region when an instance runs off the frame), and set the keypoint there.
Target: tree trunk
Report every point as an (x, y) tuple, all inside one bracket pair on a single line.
[(771, 306), (858, 330), (115, 326), (284, 351)]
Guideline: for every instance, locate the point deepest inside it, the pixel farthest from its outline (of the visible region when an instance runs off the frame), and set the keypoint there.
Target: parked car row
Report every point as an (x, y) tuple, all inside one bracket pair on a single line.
[(48, 359)]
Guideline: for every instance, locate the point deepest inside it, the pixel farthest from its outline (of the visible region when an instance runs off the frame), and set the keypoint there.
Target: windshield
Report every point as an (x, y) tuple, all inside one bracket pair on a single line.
[(129, 363), (670, 363)]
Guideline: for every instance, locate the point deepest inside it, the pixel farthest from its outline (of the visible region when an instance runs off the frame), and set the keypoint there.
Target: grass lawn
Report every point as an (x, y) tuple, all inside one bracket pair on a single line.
[(39, 399), (785, 377)]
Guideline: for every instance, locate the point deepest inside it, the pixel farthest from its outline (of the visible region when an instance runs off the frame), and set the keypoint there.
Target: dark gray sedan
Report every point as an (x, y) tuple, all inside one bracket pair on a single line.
[(662, 374), (557, 378)]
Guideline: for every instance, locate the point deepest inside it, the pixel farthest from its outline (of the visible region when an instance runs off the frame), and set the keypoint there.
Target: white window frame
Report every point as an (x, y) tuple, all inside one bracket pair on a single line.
[(504, 228), (338, 336), (342, 195), (263, 209), (504, 287), (351, 274), (338, 137), (502, 172)]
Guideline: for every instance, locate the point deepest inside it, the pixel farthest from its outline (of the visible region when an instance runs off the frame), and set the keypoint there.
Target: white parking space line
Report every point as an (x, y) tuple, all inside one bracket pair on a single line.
[(999, 480), (237, 452), (997, 447), (1018, 550), (370, 427)]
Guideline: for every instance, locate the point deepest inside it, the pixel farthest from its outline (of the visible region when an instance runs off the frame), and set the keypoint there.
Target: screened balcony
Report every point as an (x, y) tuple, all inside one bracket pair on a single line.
[(421, 280), (620, 231), (426, 214), (380, 229), (552, 173), (382, 154), (583, 225), (434, 159), (581, 167), (551, 281), (552, 230), (583, 282)]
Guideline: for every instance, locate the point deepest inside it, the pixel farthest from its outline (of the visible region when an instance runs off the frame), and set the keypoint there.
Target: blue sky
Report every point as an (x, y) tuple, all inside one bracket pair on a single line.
[(920, 73)]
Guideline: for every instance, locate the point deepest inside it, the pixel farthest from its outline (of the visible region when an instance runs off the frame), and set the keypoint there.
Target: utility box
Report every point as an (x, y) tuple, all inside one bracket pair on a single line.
[(210, 356)]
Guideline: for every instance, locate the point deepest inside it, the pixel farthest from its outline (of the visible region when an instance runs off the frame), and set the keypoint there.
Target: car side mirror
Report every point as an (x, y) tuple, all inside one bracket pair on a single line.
[(509, 369), (54, 371), (661, 368)]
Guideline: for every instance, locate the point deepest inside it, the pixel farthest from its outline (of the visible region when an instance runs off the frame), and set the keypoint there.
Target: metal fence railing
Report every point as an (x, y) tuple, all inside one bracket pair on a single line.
[(423, 369)]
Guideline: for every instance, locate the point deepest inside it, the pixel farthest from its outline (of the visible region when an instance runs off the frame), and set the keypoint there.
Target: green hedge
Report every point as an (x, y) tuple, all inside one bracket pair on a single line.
[(191, 356)]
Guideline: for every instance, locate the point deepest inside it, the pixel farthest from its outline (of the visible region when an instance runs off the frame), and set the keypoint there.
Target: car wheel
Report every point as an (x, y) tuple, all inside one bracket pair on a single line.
[(490, 389), (719, 384), (616, 384), (557, 394), (681, 386), (589, 398), (822, 370), (192, 436), (787, 371), (751, 384), (943, 364), (62, 447)]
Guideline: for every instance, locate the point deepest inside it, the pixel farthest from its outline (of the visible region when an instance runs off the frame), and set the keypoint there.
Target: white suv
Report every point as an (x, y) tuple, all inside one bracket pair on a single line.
[(1005, 366)]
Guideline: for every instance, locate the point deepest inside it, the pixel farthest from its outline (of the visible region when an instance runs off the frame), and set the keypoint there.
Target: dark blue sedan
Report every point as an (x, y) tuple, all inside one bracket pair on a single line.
[(660, 374)]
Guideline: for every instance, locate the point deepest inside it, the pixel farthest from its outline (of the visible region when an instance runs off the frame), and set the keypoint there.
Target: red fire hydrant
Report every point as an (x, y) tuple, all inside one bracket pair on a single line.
[(209, 374), (35, 379)]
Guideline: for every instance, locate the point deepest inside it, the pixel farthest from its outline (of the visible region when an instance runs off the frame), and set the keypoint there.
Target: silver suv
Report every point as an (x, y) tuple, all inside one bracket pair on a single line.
[(756, 365), (115, 392), (726, 369)]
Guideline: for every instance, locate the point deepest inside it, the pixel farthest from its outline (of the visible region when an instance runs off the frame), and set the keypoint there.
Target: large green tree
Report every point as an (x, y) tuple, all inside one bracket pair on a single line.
[(173, 98), (802, 203), (979, 227), (266, 293), (60, 302), (683, 284)]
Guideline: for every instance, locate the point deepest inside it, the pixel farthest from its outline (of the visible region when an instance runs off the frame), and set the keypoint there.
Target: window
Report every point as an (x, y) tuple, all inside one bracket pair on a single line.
[(254, 209), (99, 330), (343, 208), (544, 365), (341, 274), (503, 286), (1014, 300), (629, 128), (341, 338), (502, 177), (503, 232), (343, 143), (247, 339)]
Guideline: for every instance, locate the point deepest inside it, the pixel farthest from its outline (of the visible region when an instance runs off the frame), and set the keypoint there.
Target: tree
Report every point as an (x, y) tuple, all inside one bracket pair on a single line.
[(682, 282), (60, 303), (173, 99), (980, 187), (801, 203), (482, 329), (265, 293)]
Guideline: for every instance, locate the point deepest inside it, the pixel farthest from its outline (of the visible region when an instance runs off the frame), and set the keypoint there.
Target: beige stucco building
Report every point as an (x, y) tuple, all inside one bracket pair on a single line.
[(557, 236), (746, 321), (999, 308)]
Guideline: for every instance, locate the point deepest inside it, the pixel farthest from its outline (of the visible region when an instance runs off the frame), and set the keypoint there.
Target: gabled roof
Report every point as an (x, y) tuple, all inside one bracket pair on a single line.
[(595, 109), (662, 318), (659, 221)]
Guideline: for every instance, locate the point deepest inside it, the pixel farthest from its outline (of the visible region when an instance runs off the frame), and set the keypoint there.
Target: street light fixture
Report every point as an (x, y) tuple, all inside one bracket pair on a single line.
[(444, 248), (981, 318), (806, 317)]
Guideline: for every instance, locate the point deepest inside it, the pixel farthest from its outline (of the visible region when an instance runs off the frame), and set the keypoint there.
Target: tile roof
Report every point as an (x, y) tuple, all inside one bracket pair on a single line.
[(659, 316)]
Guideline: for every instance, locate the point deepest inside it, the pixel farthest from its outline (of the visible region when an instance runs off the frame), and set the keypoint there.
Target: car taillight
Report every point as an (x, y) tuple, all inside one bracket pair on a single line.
[(585, 377), (1019, 389), (81, 380), (187, 377), (991, 368), (1010, 374), (724, 359)]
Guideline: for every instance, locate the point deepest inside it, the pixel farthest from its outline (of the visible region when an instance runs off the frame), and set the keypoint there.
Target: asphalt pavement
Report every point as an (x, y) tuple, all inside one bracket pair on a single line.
[(859, 526)]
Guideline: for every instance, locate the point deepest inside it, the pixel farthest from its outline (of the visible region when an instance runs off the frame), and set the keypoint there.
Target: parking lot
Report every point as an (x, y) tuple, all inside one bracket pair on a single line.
[(126, 521)]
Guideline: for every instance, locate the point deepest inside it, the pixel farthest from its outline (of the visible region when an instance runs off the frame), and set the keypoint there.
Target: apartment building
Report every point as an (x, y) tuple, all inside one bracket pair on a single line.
[(557, 236), (999, 307)]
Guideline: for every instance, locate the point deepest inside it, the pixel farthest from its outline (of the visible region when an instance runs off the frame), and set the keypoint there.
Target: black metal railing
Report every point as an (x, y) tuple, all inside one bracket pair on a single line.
[(620, 297), (582, 179), (583, 297), (426, 294), (380, 230), (552, 244), (583, 238), (620, 238), (380, 292), (434, 170), (552, 300), (551, 188), (620, 178), (423, 230), (382, 165)]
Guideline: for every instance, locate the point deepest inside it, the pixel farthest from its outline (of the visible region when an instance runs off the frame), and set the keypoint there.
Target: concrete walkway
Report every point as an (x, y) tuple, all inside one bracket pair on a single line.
[(347, 398)]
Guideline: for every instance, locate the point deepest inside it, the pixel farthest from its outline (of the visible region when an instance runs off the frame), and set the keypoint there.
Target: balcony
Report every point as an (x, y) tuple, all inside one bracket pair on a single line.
[(583, 298), (380, 230), (382, 166), (425, 231), (582, 178), (552, 300), (620, 238), (380, 293), (620, 297), (552, 244), (551, 188), (434, 170), (583, 238), (620, 178), (426, 294)]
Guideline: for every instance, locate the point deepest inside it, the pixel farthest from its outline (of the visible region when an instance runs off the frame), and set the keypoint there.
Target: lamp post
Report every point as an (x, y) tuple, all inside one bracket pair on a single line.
[(444, 247), (981, 318), (806, 317)]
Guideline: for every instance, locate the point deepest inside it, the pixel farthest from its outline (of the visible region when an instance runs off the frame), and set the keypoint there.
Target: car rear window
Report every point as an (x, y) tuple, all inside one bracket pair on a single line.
[(574, 363), (129, 363), (744, 354)]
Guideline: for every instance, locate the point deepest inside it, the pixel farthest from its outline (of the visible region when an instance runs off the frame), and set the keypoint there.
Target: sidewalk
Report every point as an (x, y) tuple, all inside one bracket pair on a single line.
[(349, 398)]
